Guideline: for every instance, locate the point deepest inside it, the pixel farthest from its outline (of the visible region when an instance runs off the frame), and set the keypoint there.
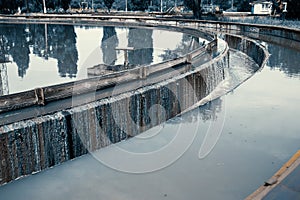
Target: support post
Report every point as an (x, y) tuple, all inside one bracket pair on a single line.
[(39, 95), (126, 58), (189, 58), (125, 49), (143, 72), (44, 5)]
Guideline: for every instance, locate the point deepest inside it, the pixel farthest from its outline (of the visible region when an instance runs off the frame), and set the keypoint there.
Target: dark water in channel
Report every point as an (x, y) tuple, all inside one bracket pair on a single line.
[(233, 144), (46, 54)]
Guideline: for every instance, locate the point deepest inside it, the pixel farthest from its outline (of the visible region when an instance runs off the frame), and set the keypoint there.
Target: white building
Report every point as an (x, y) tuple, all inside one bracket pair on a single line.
[(261, 8), (264, 7)]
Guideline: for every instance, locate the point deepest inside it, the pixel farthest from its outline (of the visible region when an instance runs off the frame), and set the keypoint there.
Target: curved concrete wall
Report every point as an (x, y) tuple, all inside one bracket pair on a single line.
[(283, 36), (251, 48), (36, 144)]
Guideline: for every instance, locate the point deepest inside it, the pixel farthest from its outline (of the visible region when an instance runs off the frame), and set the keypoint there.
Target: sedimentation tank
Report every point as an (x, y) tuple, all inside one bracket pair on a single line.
[(37, 143)]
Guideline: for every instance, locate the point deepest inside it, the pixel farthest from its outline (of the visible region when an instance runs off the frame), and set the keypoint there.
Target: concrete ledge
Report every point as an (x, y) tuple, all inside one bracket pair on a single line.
[(275, 181)]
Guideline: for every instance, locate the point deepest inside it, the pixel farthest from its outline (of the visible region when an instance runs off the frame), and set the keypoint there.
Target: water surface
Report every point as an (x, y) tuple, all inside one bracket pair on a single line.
[(238, 141), (47, 54)]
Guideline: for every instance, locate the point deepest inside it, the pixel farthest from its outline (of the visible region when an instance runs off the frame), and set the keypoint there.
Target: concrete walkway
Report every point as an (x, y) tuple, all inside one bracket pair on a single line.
[(285, 184)]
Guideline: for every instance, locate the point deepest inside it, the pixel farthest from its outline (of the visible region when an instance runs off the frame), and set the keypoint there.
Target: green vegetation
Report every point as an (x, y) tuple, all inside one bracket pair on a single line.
[(13, 6), (108, 4)]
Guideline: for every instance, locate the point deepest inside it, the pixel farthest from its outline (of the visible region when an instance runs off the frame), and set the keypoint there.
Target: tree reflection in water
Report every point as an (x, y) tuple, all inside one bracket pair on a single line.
[(188, 44), (284, 59), (55, 41), (109, 43), (16, 45), (142, 41)]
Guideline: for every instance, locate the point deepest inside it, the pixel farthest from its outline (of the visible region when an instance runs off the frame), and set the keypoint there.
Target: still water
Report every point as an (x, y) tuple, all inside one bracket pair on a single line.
[(41, 55), (236, 142)]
